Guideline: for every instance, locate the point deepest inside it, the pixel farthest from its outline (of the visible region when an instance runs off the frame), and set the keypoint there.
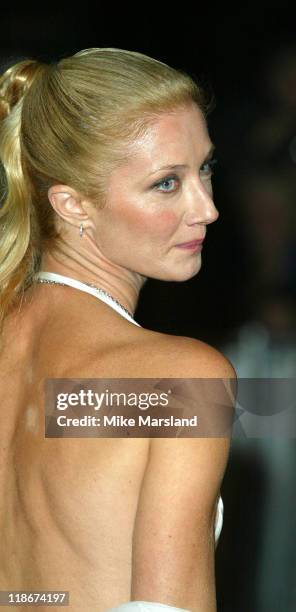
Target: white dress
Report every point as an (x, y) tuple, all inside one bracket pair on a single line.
[(66, 280)]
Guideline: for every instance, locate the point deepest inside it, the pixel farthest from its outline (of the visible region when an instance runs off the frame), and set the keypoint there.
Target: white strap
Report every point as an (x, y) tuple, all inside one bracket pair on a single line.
[(72, 282), (219, 519), (146, 606)]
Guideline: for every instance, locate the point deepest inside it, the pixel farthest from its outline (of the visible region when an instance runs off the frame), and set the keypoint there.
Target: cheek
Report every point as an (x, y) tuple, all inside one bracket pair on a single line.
[(162, 223), (167, 221)]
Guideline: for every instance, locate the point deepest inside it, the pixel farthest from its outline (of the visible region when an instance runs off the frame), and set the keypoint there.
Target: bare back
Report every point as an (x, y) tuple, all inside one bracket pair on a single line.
[(68, 506)]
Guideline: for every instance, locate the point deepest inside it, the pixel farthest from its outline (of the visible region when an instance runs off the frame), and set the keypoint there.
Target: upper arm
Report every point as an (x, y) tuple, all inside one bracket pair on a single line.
[(173, 540)]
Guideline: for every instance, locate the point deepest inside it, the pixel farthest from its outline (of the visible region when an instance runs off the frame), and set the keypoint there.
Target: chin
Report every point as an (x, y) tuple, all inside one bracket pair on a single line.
[(183, 277), (180, 273), (183, 273)]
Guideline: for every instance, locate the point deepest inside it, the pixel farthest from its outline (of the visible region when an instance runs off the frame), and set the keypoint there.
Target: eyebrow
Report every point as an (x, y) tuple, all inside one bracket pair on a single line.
[(175, 166)]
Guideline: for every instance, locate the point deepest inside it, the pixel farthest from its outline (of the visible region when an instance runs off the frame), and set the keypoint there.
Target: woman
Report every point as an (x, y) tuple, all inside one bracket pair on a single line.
[(85, 146)]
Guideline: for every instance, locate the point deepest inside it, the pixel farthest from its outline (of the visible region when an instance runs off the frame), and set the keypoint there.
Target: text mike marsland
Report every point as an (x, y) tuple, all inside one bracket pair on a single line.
[(121, 421)]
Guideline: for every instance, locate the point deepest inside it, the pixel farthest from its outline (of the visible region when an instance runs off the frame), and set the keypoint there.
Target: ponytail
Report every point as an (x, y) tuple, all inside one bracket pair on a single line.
[(17, 249)]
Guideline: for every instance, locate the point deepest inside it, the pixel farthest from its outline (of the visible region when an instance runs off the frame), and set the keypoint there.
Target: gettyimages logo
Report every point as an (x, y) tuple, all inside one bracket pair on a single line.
[(110, 398)]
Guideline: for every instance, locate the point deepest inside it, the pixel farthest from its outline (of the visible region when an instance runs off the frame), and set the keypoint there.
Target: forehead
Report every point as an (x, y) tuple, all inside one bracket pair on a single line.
[(172, 138)]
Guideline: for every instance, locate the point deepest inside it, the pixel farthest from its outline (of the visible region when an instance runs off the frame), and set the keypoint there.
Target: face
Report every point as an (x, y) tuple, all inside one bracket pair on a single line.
[(151, 210)]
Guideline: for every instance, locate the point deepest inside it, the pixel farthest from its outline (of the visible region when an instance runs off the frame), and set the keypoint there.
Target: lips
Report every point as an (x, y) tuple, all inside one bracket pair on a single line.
[(191, 243)]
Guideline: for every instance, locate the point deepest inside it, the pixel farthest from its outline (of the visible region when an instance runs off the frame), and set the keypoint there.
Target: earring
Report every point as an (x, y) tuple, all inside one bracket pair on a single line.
[(81, 228)]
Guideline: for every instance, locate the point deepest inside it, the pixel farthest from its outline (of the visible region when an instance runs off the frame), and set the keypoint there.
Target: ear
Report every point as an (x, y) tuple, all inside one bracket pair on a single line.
[(68, 204)]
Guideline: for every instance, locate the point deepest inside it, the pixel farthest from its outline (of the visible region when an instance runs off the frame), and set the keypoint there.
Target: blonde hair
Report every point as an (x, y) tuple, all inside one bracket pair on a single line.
[(71, 122)]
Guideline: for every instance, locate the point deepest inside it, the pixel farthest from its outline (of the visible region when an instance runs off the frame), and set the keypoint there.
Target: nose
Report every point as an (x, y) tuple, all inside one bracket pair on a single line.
[(201, 208)]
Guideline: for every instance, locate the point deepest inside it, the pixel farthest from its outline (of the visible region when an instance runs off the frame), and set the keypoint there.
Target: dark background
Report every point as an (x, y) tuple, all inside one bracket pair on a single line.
[(247, 57)]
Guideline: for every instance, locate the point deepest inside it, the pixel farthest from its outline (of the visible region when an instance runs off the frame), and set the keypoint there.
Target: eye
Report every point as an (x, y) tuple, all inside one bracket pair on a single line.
[(167, 179), (207, 167), (206, 170)]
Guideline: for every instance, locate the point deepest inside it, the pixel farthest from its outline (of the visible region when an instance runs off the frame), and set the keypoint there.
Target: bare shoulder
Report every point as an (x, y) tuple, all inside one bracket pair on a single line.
[(182, 356), (200, 357)]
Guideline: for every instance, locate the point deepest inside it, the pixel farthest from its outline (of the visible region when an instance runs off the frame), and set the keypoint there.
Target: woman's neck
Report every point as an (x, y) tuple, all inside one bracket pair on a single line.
[(124, 285)]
